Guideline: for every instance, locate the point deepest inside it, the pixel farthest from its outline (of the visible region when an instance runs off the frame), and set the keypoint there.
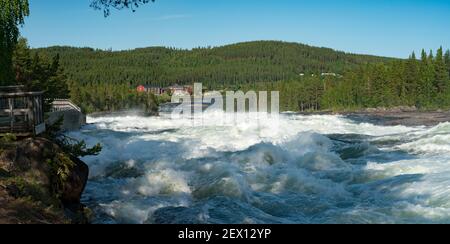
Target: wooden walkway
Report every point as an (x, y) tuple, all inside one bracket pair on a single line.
[(73, 116), (64, 105)]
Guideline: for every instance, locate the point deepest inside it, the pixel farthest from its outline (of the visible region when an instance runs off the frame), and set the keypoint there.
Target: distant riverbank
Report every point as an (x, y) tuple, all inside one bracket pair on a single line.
[(406, 116), (390, 118), (119, 113)]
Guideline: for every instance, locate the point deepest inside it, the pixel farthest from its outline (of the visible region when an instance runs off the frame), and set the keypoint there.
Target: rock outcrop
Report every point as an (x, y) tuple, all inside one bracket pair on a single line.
[(399, 109), (76, 183), (37, 169)]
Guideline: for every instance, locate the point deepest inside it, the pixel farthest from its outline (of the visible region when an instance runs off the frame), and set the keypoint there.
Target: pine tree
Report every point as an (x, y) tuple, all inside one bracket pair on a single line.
[(446, 97), (22, 62), (380, 88), (39, 73), (426, 90), (447, 60), (411, 79), (57, 81), (441, 72), (431, 56), (424, 57)]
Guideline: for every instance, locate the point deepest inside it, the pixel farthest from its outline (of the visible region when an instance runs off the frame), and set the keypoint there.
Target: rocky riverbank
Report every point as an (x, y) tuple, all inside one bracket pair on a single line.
[(40, 184), (404, 115), (407, 116)]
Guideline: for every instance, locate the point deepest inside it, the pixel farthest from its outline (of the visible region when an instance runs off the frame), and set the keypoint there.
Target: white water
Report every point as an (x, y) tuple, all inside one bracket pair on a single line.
[(303, 169)]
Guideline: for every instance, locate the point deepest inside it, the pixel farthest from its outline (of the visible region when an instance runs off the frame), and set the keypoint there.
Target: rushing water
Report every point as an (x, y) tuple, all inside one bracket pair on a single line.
[(303, 169)]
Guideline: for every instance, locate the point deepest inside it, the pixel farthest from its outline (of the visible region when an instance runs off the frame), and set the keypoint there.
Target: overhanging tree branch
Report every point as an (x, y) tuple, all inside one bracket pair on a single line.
[(106, 5)]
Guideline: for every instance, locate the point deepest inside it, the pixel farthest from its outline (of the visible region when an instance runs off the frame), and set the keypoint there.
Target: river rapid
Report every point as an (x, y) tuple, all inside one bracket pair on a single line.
[(300, 169)]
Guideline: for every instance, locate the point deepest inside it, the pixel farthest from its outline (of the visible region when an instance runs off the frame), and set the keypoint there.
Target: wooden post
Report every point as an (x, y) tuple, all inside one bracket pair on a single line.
[(11, 113), (40, 110), (31, 117)]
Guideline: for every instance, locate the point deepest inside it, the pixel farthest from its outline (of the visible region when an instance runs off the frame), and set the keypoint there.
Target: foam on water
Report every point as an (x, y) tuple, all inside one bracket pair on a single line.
[(300, 169)]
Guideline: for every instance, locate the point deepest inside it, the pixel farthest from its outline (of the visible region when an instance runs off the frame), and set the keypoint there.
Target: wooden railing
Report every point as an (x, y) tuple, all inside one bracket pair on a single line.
[(21, 112), (64, 105)]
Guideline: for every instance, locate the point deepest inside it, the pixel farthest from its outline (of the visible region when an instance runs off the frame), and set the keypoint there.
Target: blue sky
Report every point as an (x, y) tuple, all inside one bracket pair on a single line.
[(381, 27)]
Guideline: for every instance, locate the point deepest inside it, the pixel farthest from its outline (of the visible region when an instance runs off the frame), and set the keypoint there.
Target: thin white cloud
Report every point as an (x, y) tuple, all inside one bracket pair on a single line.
[(173, 16)]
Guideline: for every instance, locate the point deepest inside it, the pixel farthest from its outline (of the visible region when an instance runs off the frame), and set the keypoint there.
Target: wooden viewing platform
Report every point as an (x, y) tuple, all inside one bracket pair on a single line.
[(21, 112)]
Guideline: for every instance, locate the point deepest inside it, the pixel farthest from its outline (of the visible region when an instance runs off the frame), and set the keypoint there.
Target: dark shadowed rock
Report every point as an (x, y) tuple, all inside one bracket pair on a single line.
[(76, 183)]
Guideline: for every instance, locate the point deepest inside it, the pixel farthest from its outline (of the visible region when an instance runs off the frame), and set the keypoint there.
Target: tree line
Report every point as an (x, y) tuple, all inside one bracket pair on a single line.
[(308, 78), (422, 82), (220, 67)]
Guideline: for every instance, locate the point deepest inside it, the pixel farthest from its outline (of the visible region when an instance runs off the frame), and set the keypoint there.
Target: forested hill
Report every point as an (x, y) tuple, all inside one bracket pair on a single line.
[(237, 64)]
